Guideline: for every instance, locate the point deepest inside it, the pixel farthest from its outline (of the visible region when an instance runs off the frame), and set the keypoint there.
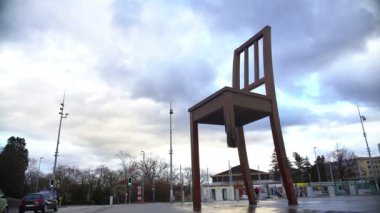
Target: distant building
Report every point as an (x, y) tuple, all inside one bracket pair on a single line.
[(363, 168), (223, 178), (229, 185), (359, 168)]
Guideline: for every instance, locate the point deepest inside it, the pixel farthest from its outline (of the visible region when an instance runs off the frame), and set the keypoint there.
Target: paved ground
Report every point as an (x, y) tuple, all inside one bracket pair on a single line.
[(370, 204)]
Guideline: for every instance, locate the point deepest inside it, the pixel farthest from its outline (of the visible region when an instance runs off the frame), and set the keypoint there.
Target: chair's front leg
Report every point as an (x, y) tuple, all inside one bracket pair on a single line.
[(244, 166)]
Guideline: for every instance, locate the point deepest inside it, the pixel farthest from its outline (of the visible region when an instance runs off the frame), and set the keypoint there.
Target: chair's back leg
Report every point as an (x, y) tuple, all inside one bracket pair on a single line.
[(244, 166), (282, 160), (195, 165)]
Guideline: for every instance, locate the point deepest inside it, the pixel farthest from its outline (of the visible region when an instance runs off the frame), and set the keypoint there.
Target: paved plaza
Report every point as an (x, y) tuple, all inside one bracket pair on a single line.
[(370, 204)]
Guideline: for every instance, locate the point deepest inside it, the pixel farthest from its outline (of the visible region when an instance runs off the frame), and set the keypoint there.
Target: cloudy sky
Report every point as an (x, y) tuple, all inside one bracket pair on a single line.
[(121, 62)]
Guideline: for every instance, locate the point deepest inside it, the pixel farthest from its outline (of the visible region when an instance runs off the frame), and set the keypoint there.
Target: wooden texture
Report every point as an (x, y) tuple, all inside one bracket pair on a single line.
[(235, 107)]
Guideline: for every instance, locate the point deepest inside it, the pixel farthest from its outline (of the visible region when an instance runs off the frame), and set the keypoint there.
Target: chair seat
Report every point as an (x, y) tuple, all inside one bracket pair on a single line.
[(247, 107)]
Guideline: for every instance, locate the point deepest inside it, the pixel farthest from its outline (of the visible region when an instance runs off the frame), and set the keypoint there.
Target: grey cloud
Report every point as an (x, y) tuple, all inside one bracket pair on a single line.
[(362, 86), (19, 18), (305, 35), (184, 81)]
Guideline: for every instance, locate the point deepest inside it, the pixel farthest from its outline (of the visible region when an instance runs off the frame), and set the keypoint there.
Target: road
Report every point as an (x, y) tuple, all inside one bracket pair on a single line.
[(350, 204)]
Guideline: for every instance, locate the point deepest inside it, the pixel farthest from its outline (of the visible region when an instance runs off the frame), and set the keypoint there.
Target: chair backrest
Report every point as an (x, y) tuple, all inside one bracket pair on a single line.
[(267, 78)]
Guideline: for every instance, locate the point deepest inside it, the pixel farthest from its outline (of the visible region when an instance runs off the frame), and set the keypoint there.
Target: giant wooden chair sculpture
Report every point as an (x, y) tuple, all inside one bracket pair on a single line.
[(234, 107)]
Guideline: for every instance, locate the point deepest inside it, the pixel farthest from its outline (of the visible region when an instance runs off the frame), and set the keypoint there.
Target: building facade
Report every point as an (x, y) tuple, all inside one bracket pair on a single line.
[(229, 185)]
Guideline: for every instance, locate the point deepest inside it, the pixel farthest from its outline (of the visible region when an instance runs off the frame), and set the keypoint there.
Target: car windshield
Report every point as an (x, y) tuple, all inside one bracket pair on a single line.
[(33, 196)]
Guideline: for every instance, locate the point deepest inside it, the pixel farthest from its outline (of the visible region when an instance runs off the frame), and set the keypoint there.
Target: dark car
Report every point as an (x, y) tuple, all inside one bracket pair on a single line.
[(38, 202)]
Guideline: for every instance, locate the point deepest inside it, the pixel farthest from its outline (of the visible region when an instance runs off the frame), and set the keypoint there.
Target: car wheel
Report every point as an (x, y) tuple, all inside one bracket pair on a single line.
[(21, 211), (44, 209), (6, 210), (55, 208)]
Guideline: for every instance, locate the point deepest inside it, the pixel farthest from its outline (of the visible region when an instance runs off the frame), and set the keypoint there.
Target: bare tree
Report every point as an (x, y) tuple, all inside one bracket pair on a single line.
[(342, 159), (125, 162), (154, 167), (31, 175), (189, 178)]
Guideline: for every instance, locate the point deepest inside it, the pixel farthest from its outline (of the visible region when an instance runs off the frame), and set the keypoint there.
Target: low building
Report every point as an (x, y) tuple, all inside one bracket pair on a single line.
[(236, 177), (365, 167), (229, 185)]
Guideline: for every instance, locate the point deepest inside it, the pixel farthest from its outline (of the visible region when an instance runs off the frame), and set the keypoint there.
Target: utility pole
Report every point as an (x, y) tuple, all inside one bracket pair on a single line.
[(62, 115), (38, 174), (171, 155)]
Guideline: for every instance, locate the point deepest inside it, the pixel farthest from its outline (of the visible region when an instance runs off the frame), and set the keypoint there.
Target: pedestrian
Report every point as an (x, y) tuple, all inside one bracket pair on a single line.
[(257, 192)]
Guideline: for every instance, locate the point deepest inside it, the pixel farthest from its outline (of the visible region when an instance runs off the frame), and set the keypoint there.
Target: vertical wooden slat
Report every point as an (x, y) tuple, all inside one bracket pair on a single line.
[(236, 71), (267, 63), (256, 60), (246, 67)]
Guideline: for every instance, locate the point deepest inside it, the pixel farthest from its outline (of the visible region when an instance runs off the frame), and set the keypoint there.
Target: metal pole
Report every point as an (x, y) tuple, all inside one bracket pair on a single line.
[(143, 178), (258, 171), (38, 174), (364, 134), (331, 174), (207, 178), (229, 173), (171, 155), (59, 134), (316, 161), (362, 118), (181, 176), (154, 189)]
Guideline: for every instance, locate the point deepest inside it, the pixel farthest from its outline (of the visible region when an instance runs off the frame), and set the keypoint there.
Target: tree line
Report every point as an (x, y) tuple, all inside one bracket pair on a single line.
[(338, 165), (20, 175)]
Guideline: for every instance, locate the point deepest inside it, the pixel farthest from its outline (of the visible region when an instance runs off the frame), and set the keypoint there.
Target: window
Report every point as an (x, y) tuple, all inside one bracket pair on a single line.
[(367, 162), (369, 167)]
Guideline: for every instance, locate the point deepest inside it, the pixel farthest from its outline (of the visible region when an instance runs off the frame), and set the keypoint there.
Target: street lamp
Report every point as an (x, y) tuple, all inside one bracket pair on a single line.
[(143, 177), (38, 173), (362, 118), (171, 154), (316, 161)]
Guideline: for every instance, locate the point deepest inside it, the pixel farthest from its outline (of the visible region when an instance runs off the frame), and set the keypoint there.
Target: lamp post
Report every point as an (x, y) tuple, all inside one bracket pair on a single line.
[(316, 161), (38, 173), (62, 115), (362, 118), (171, 154), (143, 177)]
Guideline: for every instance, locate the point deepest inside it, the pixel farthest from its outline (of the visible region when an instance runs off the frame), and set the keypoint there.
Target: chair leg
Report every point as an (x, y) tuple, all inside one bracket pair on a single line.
[(195, 166), (244, 166), (229, 125), (282, 160)]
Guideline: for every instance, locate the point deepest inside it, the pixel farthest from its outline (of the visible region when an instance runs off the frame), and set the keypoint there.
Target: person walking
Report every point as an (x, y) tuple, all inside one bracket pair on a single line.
[(257, 192)]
